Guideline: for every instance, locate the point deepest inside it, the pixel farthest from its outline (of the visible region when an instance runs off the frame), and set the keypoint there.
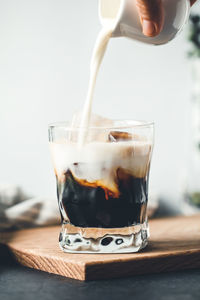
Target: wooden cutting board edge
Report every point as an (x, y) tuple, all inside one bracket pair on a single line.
[(124, 268), (147, 265), (122, 265), (50, 265)]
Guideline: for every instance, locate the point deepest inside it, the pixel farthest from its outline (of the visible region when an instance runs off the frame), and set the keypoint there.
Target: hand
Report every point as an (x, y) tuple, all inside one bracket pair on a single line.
[(152, 16)]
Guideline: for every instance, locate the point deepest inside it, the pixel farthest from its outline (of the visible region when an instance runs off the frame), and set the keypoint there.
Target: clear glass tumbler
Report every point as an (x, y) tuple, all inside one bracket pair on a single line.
[(102, 185)]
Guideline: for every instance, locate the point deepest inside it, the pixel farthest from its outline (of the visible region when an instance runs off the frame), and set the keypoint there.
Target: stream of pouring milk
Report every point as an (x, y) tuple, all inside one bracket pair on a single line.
[(97, 57)]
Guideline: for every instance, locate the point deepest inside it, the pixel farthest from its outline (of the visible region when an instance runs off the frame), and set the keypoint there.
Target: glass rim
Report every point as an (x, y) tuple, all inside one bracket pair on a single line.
[(128, 123)]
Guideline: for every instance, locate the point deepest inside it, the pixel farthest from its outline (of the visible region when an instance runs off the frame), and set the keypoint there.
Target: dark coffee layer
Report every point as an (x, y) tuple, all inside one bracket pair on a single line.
[(94, 206)]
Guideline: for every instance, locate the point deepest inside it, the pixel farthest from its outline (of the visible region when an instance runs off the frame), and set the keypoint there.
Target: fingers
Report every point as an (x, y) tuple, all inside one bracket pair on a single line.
[(192, 2), (151, 16)]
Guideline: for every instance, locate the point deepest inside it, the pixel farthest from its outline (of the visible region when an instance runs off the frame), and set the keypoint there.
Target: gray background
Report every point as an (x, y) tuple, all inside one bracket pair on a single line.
[(45, 49)]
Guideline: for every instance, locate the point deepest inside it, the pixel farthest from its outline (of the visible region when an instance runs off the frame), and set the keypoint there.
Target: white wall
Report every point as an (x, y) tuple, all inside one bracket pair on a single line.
[(45, 48)]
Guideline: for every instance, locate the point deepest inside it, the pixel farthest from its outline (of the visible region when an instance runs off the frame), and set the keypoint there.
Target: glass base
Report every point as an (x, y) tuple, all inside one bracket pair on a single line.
[(103, 240)]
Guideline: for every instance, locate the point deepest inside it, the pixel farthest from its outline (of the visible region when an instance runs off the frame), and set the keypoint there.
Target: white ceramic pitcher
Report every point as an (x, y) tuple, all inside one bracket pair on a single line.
[(127, 21)]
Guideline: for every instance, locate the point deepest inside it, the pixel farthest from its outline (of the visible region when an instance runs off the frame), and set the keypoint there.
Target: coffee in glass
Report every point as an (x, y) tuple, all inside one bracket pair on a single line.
[(102, 185)]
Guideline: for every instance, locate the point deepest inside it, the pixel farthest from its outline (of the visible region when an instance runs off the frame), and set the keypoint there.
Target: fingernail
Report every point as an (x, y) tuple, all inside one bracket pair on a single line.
[(149, 28)]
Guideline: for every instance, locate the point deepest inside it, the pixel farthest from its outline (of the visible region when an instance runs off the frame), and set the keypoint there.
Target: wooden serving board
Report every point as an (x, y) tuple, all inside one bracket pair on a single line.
[(174, 245)]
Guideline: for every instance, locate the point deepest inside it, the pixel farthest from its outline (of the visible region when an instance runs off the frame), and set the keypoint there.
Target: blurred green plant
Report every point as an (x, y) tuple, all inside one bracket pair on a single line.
[(194, 35), (194, 199)]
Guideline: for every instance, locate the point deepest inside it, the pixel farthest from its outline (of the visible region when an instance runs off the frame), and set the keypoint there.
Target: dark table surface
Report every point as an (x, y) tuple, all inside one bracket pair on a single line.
[(21, 283)]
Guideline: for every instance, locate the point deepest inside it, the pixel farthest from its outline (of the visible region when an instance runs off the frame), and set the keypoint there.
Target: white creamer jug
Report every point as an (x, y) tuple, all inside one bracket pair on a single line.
[(127, 21)]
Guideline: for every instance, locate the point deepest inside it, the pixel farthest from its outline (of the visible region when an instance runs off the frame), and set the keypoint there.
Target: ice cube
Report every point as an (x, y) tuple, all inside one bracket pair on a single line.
[(98, 130), (123, 136), (95, 120), (116, 136)]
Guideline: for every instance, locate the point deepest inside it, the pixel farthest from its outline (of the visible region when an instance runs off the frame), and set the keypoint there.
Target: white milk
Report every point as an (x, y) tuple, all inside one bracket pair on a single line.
[(99, 161), (97, 57)]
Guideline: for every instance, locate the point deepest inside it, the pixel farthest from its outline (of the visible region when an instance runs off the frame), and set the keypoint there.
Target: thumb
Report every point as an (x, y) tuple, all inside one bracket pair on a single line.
[(151, 16)]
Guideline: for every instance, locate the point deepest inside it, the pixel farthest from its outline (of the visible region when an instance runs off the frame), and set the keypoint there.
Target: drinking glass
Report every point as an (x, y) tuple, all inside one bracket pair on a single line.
[(102, 185)]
